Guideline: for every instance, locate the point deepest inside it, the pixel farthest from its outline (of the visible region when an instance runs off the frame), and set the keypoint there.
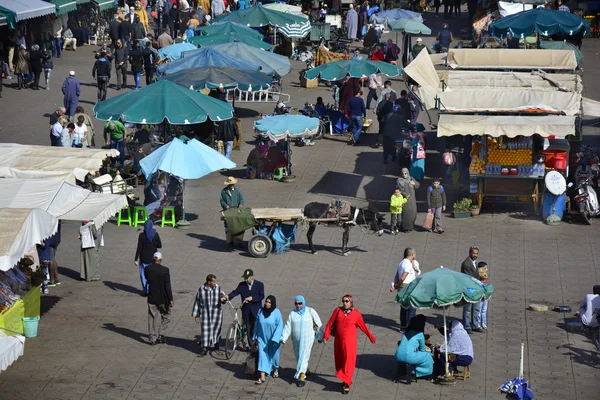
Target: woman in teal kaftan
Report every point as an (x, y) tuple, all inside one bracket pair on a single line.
[(412, 349), (267, 332)]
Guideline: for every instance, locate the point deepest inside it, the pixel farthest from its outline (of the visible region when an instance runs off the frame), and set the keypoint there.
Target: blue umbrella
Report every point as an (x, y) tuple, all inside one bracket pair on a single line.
[(287, 126), (173, 52), (396, 13), (206, 57), (185, 159), (270, 63), (217, 77)]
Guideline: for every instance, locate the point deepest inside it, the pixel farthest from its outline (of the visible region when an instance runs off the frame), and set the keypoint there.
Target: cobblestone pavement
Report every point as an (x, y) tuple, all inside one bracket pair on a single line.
[(92, 335)]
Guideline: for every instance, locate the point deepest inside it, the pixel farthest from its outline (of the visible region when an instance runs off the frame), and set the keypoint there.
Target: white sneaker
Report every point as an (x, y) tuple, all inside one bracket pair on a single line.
[(484, 326)]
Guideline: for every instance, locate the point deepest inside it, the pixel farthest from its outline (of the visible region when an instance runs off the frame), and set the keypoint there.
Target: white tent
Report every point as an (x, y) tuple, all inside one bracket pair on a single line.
[(502, 59), (29, 161), (60, 199), (511, 126), (20, 230)]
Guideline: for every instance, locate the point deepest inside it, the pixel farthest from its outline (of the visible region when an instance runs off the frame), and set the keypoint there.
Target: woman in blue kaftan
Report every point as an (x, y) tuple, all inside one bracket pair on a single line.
[(267, 332), (412, 349)]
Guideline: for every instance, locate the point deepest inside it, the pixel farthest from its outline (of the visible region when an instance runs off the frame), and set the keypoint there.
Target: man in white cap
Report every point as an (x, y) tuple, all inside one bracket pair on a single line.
[(231, 197), (71, 91), (417, 48), (160, 299)]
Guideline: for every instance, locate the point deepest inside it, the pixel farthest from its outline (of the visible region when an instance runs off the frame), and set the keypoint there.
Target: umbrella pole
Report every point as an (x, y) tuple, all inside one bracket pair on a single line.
[(183, 223), (521, 364), (446, 379), (289, 156)]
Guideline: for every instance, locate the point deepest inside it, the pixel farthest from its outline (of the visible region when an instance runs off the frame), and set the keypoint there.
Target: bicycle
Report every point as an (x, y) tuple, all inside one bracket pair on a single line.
[(236, 334)]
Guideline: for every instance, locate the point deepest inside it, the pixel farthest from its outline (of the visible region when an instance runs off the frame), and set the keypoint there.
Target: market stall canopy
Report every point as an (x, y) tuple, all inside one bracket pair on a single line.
[(61, 199), (20, 230), (26, 9), (396, 13), (64, 6), (212, 40), (537, 80), (203, 58), (286, 8), (422, 71), (520, 59), (562, 45), (221, 77), (285, 126), (173, 52), (30, 161), (511, 126), (163, 101), (102, 5), (496, 100), (8, 18), (296, 31), (337, 70), (408, 25), (186, 160), (258, 16), (591, 108), (227, 27), (541, 20), (507, 8), (269, 62)]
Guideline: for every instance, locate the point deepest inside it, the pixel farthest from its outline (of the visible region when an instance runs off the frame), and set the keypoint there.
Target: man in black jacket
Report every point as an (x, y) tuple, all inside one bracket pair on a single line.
[(228, 132), (137, 63), (252, 293), (113, 31), (160, 299), (149, 59), (471, 311), (102, 68), (125, 29), (121, 59)]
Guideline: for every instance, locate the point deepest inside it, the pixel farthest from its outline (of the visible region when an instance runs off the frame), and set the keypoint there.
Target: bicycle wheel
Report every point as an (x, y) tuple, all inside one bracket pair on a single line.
[(230, 341)]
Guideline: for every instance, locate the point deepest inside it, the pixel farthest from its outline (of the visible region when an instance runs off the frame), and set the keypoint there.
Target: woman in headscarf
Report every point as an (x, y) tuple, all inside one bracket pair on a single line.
[(90, 261), (363, 20), (417, 161), (345, 322), (148, 244), (304, 325), (350, 87), (267, 332), (351, 23), (460, 348), (407, 186), (412, 349)]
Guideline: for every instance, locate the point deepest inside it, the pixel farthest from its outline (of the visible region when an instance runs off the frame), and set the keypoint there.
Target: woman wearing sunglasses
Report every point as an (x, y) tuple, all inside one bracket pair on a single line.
[(343, 325)]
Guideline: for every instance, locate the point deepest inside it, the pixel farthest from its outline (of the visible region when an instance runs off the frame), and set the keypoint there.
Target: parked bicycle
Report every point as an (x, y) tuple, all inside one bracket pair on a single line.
[(236, 334)]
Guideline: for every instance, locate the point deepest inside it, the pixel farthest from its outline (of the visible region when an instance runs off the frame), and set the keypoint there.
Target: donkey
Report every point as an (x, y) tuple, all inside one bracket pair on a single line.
[(359, 216)]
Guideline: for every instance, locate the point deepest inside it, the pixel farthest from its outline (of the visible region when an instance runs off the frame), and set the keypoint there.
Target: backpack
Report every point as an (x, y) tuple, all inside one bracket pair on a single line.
[(431, 189)]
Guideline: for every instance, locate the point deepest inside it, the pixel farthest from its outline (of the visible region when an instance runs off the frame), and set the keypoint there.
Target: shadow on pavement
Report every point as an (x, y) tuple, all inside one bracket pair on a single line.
[(238, 370), (69, 273), (47, 302), (211, 243), (329, 184), (121, 287), (328, 385), (382, 365), (581, 356), (246, 112), (383, 322), (127, 333)]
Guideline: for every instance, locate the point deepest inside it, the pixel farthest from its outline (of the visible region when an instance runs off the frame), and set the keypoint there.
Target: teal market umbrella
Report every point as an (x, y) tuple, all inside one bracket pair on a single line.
[(441, 288), (269, 62), (408, 25), (228, 27), (212, 40), (541, 20), (163, 101), (255, 17), (560, 45), (221, 77), (173, 52), (337, 70), (186, 159)]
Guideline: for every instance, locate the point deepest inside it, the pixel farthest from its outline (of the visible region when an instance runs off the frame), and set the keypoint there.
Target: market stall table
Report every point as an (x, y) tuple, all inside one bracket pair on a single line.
[(27, 306), (11, 348)]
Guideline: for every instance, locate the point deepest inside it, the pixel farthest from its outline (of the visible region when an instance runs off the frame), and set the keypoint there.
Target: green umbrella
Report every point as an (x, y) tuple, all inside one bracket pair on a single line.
[(258, 16), (408, 25), (160, 101), (441, 288), (227, 28), (560, 45), (337, 70), (212, 40)]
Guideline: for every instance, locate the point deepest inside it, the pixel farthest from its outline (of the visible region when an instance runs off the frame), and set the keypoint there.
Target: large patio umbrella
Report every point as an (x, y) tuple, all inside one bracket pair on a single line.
[(408, 25), (337, 70), (212, 40), (441, 288), (206, 57), (186, 159), (163, 101), (173, 52), (541, 20), (396, 13), (286, 8), (228, 27), (270, 63), (258, 16), (294, 31), (221, 77)]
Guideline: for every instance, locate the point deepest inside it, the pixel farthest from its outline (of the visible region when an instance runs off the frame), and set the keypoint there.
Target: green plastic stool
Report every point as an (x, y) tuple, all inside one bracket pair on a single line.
[(120, 217), (171, 219), (136, 215), (280, 174)]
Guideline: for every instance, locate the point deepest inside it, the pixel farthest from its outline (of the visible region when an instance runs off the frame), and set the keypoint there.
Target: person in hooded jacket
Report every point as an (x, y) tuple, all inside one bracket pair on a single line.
[(137, 61), (102, 67)]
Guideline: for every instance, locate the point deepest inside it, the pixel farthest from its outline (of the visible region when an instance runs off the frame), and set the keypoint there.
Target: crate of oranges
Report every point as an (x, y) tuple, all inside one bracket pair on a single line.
[(509, 157), (477, 166)]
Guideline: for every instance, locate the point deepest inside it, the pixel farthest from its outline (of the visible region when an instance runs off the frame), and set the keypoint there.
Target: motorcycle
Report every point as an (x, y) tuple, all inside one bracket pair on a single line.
[(586, 199)]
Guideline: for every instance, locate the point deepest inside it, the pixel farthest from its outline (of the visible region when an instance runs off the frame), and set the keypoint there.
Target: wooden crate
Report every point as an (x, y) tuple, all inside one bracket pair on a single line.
[(309, 83)]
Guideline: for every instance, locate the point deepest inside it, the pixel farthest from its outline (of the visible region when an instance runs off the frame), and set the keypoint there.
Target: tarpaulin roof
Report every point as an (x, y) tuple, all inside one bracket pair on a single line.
[(63, 6), (511, 126), (460, 79), (422, 71), (20, 230), (61, 199), (530, 59), (7, 17), (591, 108), (25, 9), (30, 161)]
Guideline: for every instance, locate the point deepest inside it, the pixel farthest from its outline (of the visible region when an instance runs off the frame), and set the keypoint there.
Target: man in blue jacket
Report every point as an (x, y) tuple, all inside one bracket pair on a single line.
[(252, 293)]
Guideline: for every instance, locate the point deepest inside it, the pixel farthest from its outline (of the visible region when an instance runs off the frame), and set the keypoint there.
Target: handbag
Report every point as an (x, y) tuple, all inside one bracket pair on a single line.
[(428, 224), (420, 152)]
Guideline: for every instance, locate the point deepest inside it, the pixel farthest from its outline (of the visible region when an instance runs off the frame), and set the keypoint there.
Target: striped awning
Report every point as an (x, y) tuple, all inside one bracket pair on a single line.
[(26, 9), (104, 4), (295, 30), (63, 6)]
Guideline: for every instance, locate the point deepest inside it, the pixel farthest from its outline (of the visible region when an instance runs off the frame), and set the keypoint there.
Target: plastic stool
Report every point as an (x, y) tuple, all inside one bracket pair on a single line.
[(120, 217), (136, 215), (170, 220), (280, 174)]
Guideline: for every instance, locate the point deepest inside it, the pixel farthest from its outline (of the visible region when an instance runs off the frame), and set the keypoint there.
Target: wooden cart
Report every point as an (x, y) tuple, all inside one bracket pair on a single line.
[(261, 242)]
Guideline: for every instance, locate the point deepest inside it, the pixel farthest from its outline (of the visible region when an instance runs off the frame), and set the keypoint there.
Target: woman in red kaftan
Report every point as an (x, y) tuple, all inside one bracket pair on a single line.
[(347, 320)]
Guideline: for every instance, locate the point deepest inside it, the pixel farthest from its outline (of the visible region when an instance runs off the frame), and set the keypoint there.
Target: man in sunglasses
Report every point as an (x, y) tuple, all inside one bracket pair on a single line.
[(252, 293)]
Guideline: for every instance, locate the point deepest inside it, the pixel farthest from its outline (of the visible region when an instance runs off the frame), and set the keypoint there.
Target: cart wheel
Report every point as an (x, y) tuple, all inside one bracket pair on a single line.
[(260, 246)]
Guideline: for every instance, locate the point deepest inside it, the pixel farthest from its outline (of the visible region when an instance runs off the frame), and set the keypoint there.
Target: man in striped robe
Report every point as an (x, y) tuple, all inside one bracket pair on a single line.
[(209, 314)]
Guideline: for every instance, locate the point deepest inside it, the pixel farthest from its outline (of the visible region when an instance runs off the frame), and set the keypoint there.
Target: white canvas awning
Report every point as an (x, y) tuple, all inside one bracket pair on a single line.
[(60, 199), (20, 230), (422, 71), (484, 80), (28, 161), (25, 9), (591, 108), (511, 126), (523, 59)]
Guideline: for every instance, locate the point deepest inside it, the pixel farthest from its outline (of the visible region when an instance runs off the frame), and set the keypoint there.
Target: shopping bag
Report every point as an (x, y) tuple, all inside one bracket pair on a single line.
[(428, 224)]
